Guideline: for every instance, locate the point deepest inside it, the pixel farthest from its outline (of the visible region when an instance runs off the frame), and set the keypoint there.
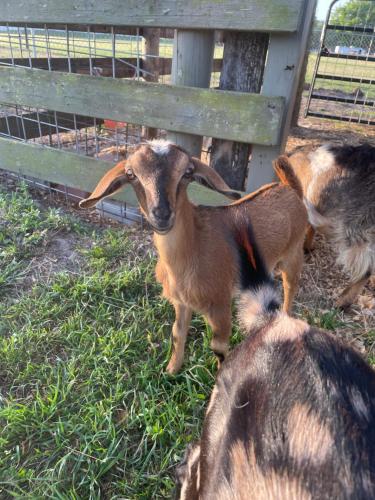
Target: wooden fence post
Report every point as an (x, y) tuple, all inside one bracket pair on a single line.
[(191, 66), (281, 77), (151, 65), (243, 65)]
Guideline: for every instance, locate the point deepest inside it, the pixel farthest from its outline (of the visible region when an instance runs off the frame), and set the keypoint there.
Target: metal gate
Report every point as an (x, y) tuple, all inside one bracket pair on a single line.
[(343, 82)]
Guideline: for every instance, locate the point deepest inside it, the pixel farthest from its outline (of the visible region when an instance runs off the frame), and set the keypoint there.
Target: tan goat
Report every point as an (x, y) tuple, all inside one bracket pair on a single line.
[(339, 192), (197, 264)]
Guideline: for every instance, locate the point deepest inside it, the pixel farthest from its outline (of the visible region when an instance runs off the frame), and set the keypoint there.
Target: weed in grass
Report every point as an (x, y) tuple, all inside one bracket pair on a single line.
[(327, 320)]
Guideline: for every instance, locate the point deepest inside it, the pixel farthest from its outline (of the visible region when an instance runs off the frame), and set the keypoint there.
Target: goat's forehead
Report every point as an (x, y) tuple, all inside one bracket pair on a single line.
[(152, 159), (160, 147)]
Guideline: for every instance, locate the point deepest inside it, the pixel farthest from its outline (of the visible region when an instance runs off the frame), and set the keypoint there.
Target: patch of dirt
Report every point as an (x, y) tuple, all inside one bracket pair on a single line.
[(59, 254), (322, 281), (314, 131)]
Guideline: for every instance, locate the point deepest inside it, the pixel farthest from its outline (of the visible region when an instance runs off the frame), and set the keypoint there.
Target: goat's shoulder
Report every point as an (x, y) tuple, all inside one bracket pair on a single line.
[(355, 160)]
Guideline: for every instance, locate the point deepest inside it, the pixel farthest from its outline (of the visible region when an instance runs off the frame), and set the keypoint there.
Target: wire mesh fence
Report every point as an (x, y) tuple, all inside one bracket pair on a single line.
[(343, 84), (95, 51), (118, 52)]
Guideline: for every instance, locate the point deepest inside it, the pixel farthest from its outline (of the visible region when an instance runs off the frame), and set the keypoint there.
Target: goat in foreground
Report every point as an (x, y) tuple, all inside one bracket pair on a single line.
[(292, 413), (197, 266), (339, 189)]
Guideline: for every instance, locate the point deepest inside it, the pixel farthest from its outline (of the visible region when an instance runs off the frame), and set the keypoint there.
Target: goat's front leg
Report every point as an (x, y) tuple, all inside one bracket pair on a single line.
[(351, 292), (179, 333), (308, 245), (291, 267), (220, 320)]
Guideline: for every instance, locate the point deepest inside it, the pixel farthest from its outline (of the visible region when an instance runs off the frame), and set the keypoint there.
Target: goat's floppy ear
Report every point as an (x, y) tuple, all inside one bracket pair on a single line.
[(213, 179), (110, 183)]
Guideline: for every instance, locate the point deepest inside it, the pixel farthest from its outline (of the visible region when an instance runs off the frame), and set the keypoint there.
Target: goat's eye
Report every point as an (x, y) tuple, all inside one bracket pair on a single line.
[(189, 172), (130, 174)]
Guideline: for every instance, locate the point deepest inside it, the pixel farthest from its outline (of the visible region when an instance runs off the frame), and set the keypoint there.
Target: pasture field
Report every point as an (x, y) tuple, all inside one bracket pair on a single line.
[(342, 67), (86, 410)]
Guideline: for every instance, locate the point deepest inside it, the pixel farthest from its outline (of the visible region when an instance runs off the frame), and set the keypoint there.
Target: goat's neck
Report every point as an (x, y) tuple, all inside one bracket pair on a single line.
[(178, 244)]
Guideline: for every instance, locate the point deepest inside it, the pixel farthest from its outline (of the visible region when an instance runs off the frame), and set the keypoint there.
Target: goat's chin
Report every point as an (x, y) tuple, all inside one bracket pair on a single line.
[(162, 230)]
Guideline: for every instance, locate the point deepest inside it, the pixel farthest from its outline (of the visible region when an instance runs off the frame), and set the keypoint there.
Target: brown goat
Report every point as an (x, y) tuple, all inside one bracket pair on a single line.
[(196, 265), (292, 412), (339, 190)]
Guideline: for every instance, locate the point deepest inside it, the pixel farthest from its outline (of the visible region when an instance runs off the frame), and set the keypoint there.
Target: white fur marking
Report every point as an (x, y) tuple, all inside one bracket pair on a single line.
[(160, 146), (356, 260), (193, 458), (285, 329), (315, 218), (321, 161), (254, 306)]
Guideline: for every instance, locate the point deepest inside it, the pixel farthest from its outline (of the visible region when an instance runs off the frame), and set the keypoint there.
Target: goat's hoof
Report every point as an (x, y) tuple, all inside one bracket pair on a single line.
[(173, 368), (343, 304), (220, 357)]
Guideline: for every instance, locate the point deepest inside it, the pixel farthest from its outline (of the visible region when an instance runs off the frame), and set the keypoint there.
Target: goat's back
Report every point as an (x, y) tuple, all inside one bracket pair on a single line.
[(338, 180), (278, 220), (292, 415), (339, 188)]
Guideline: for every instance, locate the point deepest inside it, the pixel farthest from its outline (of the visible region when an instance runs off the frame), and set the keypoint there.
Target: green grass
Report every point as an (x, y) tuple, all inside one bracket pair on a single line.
[(86, 409), (23, 231), (342, 67)]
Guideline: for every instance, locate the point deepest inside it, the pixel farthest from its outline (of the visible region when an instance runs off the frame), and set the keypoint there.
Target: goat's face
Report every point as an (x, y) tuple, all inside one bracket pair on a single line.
[(159, 173)]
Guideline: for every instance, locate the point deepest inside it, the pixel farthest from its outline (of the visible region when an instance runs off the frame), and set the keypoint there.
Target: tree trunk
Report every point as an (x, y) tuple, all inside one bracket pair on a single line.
[(243, 65), (151, 65), (301, 83)]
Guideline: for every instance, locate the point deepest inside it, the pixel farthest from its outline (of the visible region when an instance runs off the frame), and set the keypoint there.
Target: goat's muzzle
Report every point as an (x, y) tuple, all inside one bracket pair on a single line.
[(161, 219)]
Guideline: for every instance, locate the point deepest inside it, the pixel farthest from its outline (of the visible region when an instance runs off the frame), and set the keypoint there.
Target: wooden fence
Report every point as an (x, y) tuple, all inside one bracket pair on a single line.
[(187, 112)]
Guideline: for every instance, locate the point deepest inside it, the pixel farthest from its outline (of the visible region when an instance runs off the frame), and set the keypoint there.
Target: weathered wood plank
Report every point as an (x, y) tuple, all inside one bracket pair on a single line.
[(247, 15), (151, 65), (243, 65), (77, 171), (193, 53), (228, 115), (281, 77)]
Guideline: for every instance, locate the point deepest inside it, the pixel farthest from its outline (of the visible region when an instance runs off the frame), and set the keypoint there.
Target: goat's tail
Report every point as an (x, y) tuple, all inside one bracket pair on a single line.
[(258, 296), (316, 219), (285, 173)]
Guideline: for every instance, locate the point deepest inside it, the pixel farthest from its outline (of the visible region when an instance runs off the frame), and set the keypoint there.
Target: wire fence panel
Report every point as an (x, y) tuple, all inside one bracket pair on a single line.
[(98, 51), (121, 52), (343, 82)]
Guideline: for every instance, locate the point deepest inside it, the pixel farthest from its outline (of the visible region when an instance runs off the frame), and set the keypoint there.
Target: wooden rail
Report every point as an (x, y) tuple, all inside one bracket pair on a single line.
[(249, 15), (78, 171), (236, 116)]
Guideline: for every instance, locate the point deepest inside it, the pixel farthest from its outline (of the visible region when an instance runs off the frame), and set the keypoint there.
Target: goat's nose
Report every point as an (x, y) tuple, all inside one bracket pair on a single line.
[(161, 213)]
